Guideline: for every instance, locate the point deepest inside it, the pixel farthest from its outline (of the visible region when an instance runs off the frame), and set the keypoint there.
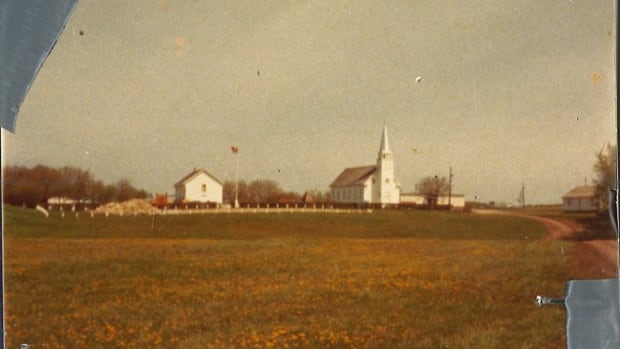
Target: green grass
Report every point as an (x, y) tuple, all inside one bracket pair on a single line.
[(377, 225), (387, 279)]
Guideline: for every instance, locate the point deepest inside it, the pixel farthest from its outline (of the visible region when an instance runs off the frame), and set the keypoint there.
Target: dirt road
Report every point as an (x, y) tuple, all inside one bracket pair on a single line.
[(601, 254)]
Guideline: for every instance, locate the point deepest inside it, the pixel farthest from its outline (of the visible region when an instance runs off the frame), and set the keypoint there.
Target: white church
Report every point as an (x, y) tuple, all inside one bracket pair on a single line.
[(374, 184)]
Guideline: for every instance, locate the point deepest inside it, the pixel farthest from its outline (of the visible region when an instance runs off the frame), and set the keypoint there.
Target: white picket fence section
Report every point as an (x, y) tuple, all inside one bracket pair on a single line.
[(277, 209)]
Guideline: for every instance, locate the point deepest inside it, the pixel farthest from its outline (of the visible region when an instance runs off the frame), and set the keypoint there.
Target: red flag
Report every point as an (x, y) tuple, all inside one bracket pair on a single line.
[(235, 150)]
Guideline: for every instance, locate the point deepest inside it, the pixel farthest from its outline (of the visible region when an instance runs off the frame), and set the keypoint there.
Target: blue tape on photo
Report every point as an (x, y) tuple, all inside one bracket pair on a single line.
[(593, 314), (28, 31)]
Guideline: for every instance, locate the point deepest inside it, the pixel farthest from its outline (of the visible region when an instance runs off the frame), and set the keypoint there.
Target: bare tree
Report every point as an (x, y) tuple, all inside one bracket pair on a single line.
[(257, 191), (605, 170), (320, 196), (127, 191), (75, 183), (32, 186), (229, 191), (263, 190), (432, 188)]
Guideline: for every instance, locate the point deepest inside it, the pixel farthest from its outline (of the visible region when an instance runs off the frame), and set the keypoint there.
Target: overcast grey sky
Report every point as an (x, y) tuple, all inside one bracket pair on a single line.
[(513, 92)]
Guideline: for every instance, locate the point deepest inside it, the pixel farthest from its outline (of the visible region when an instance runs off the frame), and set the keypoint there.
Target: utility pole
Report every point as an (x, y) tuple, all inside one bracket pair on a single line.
[(522, 196), (450, 189), (235, 151)]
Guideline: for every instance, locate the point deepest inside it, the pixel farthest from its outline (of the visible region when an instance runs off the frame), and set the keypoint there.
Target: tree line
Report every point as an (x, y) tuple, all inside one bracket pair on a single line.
[(267, 191), (35, 185)]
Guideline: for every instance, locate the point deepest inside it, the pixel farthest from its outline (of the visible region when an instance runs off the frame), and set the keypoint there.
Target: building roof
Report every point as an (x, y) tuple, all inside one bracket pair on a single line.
[(307, 197), (195, 173), (353, 176), (584, 191)]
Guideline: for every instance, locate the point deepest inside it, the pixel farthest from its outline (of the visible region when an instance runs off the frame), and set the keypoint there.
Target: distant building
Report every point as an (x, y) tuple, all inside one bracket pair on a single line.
[(57, 200), (199, 186), (581, 199), (456, 201), (374, 184), (307, 198)]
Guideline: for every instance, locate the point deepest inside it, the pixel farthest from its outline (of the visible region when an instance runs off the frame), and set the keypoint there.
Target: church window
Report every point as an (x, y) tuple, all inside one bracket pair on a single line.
[(203, 188), (387, 180)]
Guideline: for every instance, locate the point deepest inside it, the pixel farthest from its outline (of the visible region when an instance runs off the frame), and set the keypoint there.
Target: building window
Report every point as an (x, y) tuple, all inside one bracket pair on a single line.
[(387, 180), (203, 188)]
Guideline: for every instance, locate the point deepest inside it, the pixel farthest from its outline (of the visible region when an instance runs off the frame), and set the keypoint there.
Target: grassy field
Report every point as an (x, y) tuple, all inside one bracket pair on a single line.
[(414, 279)]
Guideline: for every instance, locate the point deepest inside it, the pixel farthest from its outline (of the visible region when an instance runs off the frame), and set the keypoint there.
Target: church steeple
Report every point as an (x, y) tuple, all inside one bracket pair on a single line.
[(384, 148), (384, 140), (386, 189)]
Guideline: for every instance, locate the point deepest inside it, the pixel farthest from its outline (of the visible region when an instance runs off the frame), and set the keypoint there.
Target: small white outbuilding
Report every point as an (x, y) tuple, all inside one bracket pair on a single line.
[(456, 201), (581, 199), (199, 186)]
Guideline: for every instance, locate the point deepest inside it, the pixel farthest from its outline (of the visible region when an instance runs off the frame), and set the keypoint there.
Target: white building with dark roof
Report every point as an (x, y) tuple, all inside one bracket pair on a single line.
[(374, 184), (199, 186)]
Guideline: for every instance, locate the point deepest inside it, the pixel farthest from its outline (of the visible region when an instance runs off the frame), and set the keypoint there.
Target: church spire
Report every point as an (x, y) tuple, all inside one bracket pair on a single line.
[(385, 147)]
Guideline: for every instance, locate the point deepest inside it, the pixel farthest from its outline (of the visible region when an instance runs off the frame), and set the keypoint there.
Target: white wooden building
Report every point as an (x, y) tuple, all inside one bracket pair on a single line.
[(581, 199), (373, 184), (199, 186)]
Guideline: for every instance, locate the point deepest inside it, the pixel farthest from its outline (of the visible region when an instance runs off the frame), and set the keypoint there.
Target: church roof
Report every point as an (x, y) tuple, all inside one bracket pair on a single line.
[(195, 173), (353, 176)]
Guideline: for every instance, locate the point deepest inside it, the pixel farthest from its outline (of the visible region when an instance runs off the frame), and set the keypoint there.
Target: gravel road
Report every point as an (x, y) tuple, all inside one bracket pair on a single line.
[(604, 251)]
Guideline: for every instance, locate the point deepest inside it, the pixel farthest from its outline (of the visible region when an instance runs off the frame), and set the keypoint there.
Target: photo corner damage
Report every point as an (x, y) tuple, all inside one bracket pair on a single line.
[(30, 29)]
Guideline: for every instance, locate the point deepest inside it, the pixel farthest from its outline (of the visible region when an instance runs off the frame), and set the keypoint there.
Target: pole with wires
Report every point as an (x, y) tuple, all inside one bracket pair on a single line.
[(235, 151)]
